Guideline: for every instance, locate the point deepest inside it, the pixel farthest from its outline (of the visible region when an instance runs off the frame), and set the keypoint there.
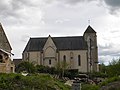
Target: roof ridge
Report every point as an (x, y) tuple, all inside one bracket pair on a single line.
[(54, 37)]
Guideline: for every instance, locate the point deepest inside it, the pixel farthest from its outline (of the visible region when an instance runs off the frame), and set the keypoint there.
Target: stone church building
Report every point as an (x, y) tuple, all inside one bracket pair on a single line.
[(6, 64), (79, 52)]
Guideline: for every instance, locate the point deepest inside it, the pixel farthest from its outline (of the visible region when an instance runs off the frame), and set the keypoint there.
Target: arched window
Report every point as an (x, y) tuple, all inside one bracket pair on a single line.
[(50, 62), (79, 60), (64, 59), (71, 55)]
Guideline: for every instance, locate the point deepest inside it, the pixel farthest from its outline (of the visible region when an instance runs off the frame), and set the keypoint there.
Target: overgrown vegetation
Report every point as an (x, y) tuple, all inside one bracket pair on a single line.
[(109, 73), (113, 69), (106, 82), (90, 87), (26, 66), (109, 80), (60, 69), (36, 82)]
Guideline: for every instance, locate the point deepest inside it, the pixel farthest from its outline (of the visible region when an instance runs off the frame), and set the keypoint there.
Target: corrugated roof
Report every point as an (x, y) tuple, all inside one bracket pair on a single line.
[(62, 43)]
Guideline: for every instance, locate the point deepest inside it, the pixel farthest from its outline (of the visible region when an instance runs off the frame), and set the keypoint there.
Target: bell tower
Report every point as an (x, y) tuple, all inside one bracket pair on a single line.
[(91, 38)]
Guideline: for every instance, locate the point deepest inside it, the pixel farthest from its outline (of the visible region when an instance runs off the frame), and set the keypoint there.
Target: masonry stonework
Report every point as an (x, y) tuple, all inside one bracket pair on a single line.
[(6, 65), (79, 52)]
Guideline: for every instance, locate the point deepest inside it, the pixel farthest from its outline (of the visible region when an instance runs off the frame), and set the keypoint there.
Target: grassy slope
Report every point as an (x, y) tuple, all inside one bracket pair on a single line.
[(38, 82)]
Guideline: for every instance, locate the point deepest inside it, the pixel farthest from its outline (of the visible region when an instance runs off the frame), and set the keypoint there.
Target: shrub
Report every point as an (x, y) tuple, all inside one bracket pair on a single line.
[(89, 87), (109, 80), (38, 82)]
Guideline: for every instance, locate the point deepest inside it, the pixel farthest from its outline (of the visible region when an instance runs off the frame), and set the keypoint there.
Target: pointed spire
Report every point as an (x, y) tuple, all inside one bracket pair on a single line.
[(89, 30)]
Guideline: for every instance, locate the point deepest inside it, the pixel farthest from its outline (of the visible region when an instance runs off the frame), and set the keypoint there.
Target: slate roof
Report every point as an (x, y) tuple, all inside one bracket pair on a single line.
[(89, 30), (62, 43), (2, 30), (17, 62)]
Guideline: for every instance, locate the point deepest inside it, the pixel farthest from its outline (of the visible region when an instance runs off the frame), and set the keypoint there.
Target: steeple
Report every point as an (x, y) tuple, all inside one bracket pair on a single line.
[(91, 38), (89, 30)]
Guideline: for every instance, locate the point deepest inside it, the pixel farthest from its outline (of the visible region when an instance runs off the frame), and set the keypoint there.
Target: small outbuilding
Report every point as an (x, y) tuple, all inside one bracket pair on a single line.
[(6, 64)]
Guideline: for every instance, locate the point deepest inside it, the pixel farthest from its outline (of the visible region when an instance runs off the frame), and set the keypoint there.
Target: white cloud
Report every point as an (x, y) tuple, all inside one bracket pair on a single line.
[(27, 18), (113, 6)]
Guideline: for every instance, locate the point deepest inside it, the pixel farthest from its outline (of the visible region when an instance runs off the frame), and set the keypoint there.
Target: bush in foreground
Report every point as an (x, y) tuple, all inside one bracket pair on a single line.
[(36, 82), (89, 87)]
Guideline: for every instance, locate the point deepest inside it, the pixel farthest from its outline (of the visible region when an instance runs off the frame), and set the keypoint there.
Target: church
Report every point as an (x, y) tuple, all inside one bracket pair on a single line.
[(79, 52)]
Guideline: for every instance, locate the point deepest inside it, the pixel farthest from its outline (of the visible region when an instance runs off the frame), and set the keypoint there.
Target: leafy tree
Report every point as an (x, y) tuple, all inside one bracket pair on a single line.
[(45, 69), (113, 69), (40, 69), (61, 67), (26, 66), (103, 68), (52, 70)]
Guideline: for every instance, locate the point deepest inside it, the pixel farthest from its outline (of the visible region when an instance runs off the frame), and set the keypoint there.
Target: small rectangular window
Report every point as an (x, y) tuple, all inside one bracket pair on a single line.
[(79, 60), (64, 59), (49, 62), (71, 57)]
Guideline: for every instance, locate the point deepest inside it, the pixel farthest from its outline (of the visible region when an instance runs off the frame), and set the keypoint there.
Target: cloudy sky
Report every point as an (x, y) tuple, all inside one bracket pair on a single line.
[(22, 19)]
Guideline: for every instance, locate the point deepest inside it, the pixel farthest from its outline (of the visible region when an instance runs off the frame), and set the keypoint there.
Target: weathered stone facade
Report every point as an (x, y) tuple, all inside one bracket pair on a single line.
[(79, 52), (4, 43), (6, 65), (91, 39)]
